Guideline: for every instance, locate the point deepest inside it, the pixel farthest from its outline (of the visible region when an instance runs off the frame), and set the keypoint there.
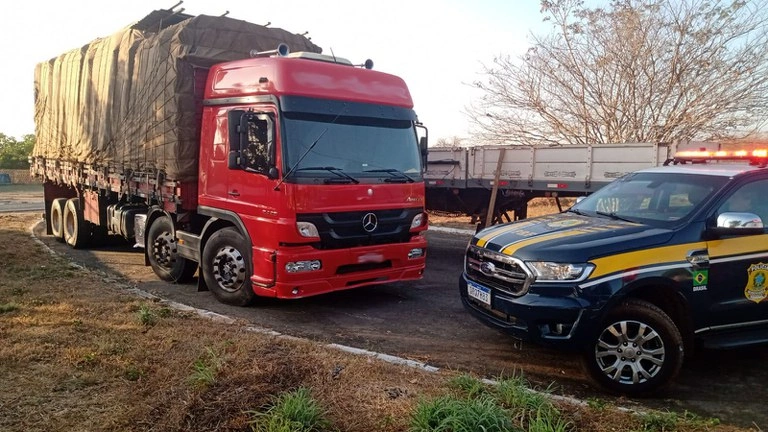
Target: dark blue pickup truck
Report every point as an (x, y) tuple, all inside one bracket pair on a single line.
[(637, 274)]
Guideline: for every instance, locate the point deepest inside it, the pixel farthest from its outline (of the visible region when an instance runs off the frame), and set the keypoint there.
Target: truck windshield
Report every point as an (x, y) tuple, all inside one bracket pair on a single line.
[(363, 148), (659, 199)]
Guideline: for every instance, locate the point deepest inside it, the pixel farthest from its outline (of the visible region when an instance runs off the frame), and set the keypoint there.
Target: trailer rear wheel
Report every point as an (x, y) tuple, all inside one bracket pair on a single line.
[(226, 266), (163, 254), (76, 233), (56, 218)]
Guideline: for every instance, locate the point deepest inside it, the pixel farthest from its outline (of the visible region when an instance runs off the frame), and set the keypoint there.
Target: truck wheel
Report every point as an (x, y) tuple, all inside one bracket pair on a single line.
[(76, 233), (163, 256), (57, 218), (638, 351), (226, 266)]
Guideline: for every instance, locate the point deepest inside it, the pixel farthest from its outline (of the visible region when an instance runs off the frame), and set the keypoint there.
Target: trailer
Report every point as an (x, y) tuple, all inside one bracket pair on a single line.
[(470, 180)]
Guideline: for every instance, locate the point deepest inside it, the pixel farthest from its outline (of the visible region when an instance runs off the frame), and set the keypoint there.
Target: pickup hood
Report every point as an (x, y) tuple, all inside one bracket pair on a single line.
[(568, 237)]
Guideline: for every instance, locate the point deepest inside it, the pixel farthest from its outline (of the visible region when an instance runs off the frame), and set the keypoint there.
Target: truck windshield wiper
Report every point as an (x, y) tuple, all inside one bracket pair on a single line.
[(576, 211), (613, 215), (338, 171), (394, 172)]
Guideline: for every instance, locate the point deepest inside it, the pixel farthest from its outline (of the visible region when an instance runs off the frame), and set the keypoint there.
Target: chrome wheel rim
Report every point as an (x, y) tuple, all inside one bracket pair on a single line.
[(229, 269), (164, 250), (630, 352)]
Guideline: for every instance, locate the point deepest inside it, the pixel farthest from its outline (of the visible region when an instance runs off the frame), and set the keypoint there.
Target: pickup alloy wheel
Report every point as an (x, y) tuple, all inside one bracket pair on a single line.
[(226, 267), (163, 255), (638, 351)]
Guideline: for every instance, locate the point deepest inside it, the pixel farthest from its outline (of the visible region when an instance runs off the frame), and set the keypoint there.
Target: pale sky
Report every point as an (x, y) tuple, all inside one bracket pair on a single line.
[(436, 46)]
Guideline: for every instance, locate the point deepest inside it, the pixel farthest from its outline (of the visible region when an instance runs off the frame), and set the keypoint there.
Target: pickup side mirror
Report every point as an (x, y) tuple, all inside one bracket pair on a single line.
[(738, 223)]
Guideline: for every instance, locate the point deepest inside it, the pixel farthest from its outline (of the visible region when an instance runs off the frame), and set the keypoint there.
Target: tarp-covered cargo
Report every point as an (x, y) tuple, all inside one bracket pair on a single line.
[(133, 100)]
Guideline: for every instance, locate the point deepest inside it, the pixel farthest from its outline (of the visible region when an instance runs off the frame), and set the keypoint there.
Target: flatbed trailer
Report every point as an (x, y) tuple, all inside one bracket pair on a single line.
[(464, 179)]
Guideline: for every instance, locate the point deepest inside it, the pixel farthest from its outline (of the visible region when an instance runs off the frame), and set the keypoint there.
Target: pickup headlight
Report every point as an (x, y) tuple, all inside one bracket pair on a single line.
[(560, 272)]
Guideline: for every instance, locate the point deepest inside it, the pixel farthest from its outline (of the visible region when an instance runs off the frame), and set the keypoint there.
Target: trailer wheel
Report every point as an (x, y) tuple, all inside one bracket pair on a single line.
[(163, 255), (226, 267), (638, 352), (76, 233), (56, 218)]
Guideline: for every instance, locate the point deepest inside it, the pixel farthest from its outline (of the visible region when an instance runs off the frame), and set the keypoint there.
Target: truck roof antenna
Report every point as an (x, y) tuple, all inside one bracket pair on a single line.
[(176, 5), (333, 55), (224, 14)]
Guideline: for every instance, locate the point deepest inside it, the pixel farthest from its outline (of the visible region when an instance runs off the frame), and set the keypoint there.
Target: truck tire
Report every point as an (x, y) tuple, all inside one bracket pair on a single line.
[(163, 256), (76, 232), (638, 351), (226, 267), (56, 220)]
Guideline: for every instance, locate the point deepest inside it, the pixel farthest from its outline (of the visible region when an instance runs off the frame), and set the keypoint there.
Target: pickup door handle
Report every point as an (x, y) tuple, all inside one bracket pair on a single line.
[(234, 193)]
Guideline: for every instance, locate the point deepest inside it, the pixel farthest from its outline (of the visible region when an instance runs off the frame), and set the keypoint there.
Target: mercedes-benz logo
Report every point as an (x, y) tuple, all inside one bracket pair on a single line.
[(487, 269), (370, 222)]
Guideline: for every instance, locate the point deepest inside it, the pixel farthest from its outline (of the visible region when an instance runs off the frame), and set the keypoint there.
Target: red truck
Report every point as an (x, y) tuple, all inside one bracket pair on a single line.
[(281, 174)]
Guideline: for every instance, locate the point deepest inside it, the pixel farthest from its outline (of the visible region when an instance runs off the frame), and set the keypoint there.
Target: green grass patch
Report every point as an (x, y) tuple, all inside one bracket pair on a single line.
[(8, 307), (467, 385), (452, 414), (205, 369), (294, 411)]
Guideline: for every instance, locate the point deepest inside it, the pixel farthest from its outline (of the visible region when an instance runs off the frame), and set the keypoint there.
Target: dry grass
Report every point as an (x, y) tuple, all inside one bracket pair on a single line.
[(79, 354)]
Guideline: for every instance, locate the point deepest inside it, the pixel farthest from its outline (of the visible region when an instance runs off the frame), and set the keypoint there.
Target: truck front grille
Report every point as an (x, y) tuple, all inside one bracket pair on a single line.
[(348, 229), (497, 271)]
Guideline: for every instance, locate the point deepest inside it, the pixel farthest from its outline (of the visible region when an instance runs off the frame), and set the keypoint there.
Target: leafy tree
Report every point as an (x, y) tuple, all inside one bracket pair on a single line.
[(632, 71), (14, 154)]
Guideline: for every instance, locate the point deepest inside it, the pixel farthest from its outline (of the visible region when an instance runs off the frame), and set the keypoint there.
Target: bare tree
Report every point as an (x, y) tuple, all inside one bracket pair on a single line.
[(634, 71), (454, 141)]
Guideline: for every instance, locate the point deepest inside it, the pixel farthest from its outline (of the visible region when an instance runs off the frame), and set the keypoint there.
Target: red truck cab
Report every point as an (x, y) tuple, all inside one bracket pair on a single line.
[(310, 181)]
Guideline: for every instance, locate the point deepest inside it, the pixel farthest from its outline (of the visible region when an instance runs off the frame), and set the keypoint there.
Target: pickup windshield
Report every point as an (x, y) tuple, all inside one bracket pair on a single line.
[(365, 148), (660, 199)]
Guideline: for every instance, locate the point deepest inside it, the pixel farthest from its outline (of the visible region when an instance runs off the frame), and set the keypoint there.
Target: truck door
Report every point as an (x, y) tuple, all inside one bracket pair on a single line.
[(738, 264), (251, 180)]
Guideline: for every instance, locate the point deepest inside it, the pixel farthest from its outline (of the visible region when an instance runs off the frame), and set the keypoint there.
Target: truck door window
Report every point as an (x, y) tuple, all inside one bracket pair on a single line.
[(256, 153)]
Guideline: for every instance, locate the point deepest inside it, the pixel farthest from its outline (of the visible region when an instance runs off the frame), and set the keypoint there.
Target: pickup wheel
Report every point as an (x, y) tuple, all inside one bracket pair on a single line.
[(56, 218), (226, 267), (75, 230), (163, 255), (638, 351)]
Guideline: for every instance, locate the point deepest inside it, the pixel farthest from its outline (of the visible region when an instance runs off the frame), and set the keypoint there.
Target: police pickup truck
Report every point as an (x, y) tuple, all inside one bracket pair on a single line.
[(638, 273)]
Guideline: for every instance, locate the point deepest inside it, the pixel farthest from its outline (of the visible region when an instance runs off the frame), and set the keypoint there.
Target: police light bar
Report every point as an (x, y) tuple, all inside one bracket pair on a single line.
[(754, 157)]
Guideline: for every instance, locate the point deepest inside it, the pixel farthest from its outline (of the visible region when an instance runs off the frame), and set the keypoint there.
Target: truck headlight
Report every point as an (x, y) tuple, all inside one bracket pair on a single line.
[(307, 229), (560, 272), (417, 221)]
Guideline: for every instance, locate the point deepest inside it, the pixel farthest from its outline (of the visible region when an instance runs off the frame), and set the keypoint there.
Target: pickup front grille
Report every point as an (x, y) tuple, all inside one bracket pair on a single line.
[(497, 271)]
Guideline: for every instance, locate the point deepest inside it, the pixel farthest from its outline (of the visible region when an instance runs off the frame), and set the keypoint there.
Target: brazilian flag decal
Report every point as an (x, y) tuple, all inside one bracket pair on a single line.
[(700, 277)]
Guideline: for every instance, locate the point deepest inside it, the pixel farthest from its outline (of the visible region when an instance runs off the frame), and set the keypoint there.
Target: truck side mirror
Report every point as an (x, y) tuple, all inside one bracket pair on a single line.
[(234, 118), (423, 144), (273, 173)]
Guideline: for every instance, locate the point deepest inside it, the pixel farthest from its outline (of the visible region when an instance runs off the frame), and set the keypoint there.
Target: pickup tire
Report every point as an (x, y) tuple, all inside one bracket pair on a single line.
[(56, 218), (163, 256), (638, 350), (227, 267), (76, 232)]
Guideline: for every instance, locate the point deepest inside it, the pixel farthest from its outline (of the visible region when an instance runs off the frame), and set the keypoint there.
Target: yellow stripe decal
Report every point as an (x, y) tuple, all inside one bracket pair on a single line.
[(738, 246), (508, 229), (641, 258), (515, 246)]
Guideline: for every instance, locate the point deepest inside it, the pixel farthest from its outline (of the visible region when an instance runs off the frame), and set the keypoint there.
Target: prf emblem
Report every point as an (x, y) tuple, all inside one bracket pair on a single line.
[(757, 276)]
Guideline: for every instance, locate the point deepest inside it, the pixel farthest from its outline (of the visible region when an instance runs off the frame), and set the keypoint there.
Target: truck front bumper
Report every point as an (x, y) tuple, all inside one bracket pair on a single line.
[(342, 269), (561, 321)]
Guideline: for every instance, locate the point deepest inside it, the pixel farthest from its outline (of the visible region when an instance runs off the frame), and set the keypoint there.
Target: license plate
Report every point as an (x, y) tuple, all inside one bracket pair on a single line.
[(479, 293)]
